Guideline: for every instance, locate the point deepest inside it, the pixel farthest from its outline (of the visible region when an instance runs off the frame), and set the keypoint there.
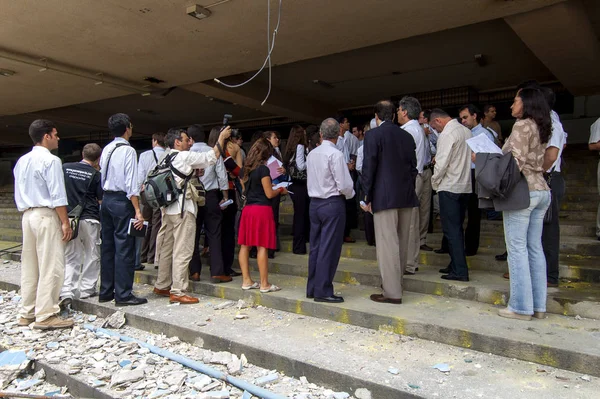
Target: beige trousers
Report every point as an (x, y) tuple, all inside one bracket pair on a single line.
[(176, 249), (42, 263), (598, 214), (414, 239), (159, 238), (391, 235), (424, 204)]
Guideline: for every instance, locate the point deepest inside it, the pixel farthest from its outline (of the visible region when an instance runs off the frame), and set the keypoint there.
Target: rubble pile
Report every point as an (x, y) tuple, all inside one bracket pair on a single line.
[(130, 371)]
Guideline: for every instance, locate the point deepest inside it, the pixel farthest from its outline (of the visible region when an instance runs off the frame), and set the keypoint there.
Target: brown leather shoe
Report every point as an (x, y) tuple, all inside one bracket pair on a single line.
[(165, 292), (381, 299), (349, 240), (551, 285), (24, 322), (506, 276), (183, 299), (195, 277), (221, 279), (52, 323)]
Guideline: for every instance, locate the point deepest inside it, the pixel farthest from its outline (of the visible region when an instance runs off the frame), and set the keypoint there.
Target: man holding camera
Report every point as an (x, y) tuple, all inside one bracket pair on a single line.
[(179, 218)]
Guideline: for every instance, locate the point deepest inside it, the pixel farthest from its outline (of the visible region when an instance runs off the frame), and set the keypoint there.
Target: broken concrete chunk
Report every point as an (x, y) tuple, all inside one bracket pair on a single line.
[(211, 386), (223, 358), (116, 320), (262, 381), (222, 394), (126, 376), (363, 393), (225, 305), (303, 380), (341, 395), (176, 379), (200, 382), (393, 370), (235, 366)]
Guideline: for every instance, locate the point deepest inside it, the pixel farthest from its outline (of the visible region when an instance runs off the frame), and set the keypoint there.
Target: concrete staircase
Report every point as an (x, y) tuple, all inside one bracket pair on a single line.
[(454, 313)]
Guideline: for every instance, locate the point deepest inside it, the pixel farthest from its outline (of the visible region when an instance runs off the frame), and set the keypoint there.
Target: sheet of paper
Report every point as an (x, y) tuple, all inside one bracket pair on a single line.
[(284, 184), (482, 143), (273, 164)]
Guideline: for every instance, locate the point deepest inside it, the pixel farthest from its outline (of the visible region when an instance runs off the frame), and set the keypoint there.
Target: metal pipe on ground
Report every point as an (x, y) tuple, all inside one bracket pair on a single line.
[(194, 365)]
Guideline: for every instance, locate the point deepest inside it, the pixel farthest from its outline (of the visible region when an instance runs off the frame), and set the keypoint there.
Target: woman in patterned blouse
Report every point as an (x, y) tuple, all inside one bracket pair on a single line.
[(523, 228)]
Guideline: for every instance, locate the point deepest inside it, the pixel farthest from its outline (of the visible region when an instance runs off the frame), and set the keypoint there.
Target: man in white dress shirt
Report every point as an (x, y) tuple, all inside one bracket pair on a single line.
[(40, 194), (409, 109), (147, 162), (329, 186), (118, 164), (348, 144), (180, 217)]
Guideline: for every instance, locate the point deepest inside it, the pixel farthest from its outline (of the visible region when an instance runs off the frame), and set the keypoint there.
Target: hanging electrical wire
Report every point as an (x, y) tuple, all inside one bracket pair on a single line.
[(270, 47)]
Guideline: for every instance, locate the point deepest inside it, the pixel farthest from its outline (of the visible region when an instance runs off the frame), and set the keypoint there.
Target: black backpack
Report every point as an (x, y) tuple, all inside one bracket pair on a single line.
[(160, 187)]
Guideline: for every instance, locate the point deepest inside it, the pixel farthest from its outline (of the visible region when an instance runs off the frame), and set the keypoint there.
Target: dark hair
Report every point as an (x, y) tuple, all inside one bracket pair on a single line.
[(549, 95), (385, 110), (426, 113), (213, 137), (311, 129), (411, 105), (196, 132), (39, 128), (258, 155), (160, 138), (297, 136), (269, 133), (438, 113), (531, 84), (172, 135), (535, 107), (91, 152), (487, 107), (313, 140), (340, 118), (118, 124), (472, 110), (360, 127), (257, 135)]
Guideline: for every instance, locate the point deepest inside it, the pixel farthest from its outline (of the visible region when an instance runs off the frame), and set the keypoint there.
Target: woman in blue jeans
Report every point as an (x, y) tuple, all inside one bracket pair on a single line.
[(523, 228)]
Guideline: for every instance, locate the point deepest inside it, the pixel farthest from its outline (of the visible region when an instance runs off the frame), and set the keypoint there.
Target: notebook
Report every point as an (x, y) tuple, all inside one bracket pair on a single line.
[(132, 231)]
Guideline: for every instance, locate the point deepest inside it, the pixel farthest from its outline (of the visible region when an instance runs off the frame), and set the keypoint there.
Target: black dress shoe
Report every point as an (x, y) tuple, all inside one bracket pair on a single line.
[(132, 301), (309, 296), (426, 247), (446, 270), (271, 254), (140, 268), (470, 253), (502, 257), (330, 299), (103, 299), (407, 273), (440, 251), (454, 277), (234, 274)]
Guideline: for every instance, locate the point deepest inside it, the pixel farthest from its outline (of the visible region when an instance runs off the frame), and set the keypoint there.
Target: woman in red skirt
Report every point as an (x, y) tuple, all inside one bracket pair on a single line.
[(257, 226)]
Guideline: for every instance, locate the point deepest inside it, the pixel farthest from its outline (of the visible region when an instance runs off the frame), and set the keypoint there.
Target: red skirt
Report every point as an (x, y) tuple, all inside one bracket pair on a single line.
[(257, 227)]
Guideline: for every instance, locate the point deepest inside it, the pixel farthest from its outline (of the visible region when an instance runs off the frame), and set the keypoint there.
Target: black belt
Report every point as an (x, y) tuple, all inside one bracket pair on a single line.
[(428, 166), (115, 192)]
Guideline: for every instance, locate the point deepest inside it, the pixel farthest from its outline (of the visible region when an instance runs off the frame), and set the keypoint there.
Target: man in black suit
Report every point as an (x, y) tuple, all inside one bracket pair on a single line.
[(388, 179)]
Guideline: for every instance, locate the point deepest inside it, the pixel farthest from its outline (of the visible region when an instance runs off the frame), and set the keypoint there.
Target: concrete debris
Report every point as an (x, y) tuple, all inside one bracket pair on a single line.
[(363, 393), (116, 320), (126, 376), (240, 316), (235, 366), (341, 395), (443, 367), (241, 304), (223, 394), (225, 305), (303, 380), (267, 379), (199, 382), (221, 358), (586, 378), (175, 380), (393, 370)]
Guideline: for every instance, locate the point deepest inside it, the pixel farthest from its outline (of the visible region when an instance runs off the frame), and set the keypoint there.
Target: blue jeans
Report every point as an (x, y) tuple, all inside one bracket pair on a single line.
[(526, 260)]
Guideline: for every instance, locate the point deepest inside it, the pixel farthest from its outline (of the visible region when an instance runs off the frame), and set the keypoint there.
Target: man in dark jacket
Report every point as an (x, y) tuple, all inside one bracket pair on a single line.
[(388, 179)]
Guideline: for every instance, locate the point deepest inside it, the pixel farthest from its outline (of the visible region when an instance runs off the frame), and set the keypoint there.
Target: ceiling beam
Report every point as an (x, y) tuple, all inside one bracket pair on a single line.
[(562, 37), (280, 103)]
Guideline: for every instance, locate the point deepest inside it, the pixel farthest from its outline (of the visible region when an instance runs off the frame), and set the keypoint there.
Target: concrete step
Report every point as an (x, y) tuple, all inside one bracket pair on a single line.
[(571, 267), (569, 299), (560, 341), (568, 227), (13, 235), (569, 245)]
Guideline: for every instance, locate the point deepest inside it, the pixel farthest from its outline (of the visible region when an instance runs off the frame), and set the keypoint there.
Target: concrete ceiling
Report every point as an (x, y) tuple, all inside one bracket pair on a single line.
[(138, 38)]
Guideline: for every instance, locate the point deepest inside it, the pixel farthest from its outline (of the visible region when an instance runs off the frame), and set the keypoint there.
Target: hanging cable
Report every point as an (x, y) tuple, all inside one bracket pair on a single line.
[(270, 47)]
